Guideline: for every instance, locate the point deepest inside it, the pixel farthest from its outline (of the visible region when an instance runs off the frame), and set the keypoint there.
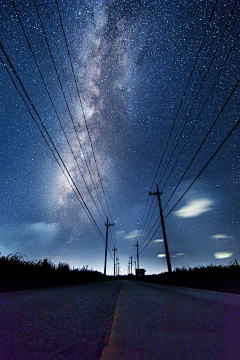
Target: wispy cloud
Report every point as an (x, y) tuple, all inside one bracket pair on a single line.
[(221, 236), (180, 254), (195, 208), (161, 255), (120, 233), (132, 234), (42, 228), (158, 240), (223, 254)]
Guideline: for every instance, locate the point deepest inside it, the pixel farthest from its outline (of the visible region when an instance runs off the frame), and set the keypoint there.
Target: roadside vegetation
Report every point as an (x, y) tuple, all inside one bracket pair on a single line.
[(216, 278), (16, 273)]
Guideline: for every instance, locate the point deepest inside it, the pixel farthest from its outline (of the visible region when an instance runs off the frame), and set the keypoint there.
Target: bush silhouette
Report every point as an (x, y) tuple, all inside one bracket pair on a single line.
[(212, 277), (17, 273)]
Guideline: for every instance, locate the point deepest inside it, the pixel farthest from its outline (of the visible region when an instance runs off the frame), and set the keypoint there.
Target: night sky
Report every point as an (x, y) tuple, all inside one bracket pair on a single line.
[(132, 62)]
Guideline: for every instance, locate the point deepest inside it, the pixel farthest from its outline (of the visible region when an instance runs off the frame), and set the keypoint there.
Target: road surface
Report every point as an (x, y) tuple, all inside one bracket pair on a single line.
[(120, 320)]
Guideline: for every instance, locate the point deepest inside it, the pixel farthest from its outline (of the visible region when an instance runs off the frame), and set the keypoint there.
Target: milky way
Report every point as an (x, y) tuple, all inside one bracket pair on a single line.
[(132, 62)]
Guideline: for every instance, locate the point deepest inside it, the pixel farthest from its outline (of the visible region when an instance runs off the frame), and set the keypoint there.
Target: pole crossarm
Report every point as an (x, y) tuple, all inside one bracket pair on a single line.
[(114, 265), (106, 245), (131, 262), (137, 246), (158, 193)]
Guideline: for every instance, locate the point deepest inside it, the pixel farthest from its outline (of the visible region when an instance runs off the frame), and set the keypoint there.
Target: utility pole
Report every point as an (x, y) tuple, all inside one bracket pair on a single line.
[(105, 262), (131, 261), (119, 268), (137, 245), (114, 250), (158, 193), (129, 267), (117, 265)]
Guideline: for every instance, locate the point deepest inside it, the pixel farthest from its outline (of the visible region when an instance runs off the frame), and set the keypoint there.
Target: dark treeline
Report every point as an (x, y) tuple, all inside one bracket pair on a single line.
[(215, 278), (16, 273)]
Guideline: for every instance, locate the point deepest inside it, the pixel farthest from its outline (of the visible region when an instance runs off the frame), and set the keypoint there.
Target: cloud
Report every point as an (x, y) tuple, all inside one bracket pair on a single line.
[(158, 240), (120, 232), (161, 255), (42, 228), (180, 254), (195, 208), (223, 254), (221, 236), (132, 234)]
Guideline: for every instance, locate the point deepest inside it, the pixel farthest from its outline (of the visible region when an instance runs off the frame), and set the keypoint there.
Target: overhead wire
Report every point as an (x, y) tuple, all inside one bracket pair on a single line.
[(192, 183), (150, 239), (81, 104), (55, 67), (186, 88), (149, 222), (150, 231), (181, 102), (204, 167), (203, 141), (199, 90), (203, 106), (85, 207), (52, 103), (75, 189)]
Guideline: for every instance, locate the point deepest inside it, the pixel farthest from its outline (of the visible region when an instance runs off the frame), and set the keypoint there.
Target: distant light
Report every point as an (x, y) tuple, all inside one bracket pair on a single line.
[(161, 255), (223, 254)]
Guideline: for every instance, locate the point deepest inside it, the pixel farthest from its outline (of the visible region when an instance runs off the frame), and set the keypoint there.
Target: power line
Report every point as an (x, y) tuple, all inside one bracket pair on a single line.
[(147, 226), (56, 71), (205, 166), (86, 209), (52, 103), (142, 227), (199, 90), (203, 141), (150, 239), (186, 88), (80, 100), (42, 134), (181, 102), (206, 100), (149, 231)]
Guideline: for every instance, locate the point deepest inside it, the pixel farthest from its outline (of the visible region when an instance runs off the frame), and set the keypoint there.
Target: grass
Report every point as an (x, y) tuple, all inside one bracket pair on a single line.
[(216, 278), (16, 273)]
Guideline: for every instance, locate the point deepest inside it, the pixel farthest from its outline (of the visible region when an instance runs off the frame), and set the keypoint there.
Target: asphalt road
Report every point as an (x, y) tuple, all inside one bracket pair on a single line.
[(70, 323), (122, 320)]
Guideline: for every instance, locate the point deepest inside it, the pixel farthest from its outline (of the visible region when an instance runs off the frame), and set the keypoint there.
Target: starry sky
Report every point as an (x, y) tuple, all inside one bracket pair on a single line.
[(144, 70)]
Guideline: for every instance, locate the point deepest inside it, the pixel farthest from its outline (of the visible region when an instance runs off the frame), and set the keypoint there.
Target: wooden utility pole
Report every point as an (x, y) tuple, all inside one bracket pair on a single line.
[(158, 193), (137, 245), (105, 262), (117, 265), (131, 261), (114, 250)]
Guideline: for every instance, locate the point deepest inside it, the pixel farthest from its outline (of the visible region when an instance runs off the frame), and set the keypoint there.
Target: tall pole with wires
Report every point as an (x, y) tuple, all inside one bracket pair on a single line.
[(131, 262), (158, 193), (106, 245), (114, 269), (117, 259), (137, 246)]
